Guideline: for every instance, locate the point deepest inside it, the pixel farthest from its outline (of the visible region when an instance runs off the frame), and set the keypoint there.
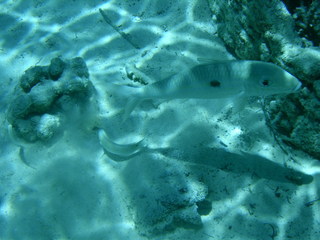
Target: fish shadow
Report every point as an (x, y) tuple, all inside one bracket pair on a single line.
[(241, 163), (219, 158)]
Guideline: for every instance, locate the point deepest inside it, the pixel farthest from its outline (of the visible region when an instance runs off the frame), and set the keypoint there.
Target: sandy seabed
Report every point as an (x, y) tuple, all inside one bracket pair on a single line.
[(198, 152)]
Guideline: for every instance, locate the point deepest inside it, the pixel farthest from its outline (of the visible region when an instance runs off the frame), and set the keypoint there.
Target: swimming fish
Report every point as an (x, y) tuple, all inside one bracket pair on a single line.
[(219, 79)]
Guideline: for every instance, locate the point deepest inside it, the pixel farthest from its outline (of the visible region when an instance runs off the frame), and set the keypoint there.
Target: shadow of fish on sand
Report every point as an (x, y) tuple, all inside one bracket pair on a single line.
[(219, 158)]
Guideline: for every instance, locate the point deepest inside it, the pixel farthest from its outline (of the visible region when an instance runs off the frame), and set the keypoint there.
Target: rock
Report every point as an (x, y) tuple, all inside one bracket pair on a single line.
[(255, 30), (33, 76), (37, 98), (43, 96), (296, 121), (304, 62), (79, 67), (307, 20), (267, 31), (316, 87), (25, 129), (47, 126), (306, 136), (76, 85), (56, 68), (172, 200), (20, 107)]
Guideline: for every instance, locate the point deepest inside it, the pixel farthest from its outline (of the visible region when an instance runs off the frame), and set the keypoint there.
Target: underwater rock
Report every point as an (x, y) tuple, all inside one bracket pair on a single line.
[(163, 200), (56, 68), (316, 87), (266, 31), (19, 107), (37, 111), (42, 97), (305, 64), (79, 67), (296, 120), (173, 208), (307, 20), (33, 76), (25, 129), (47, 126), (255, 30)]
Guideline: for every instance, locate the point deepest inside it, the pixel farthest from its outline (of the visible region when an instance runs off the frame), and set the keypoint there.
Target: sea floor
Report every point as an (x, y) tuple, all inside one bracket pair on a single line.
[(197, 150)]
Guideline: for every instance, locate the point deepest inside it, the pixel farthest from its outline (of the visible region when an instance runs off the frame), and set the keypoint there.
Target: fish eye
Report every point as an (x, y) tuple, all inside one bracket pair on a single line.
[(215, 83)]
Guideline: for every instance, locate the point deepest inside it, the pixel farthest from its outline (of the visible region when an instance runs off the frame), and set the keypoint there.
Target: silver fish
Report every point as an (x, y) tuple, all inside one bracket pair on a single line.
[(220, 79)]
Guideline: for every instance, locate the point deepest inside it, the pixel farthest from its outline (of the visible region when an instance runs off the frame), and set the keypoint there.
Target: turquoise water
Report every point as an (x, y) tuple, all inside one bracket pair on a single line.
[(200, 172)]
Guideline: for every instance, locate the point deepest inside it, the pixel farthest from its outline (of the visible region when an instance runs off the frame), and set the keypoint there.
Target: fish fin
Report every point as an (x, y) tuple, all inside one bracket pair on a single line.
[(131, 104)]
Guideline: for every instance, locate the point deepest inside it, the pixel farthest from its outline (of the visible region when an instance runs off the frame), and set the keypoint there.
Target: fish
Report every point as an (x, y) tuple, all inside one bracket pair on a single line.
[(219, 80)]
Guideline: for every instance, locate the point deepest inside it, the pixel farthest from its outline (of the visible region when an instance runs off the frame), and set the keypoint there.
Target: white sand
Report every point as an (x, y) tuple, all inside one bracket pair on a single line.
[(70, 190)]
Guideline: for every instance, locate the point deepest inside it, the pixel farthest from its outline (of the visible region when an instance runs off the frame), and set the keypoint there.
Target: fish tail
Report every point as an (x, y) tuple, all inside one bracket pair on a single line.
[(132, 103)]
